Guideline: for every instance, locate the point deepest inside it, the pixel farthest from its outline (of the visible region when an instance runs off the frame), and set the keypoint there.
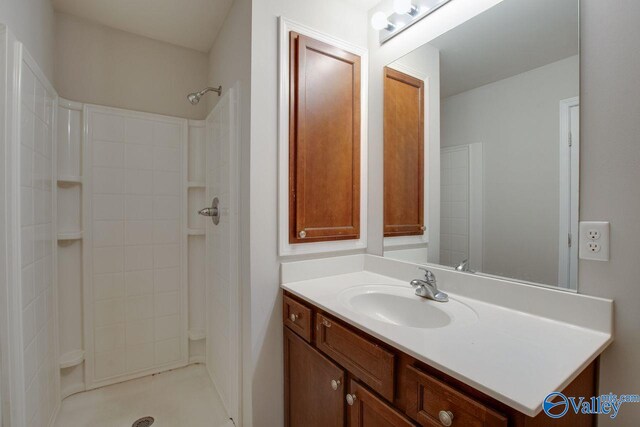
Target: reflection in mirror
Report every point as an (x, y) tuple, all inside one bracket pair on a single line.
[(481, 145)]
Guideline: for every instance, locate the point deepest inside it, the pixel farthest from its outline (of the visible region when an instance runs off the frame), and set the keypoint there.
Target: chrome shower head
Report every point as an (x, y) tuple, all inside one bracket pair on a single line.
[(194, 98)]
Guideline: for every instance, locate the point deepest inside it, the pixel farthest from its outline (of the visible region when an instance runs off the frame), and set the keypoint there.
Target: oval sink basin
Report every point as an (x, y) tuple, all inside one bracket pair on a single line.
[(399, 306)]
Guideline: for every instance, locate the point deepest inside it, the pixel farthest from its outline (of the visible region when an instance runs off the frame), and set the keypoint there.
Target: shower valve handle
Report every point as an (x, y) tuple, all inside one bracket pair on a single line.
[(213, 211)]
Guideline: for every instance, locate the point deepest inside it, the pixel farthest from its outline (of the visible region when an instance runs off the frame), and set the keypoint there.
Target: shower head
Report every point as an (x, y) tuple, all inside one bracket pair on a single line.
[(194, 98)]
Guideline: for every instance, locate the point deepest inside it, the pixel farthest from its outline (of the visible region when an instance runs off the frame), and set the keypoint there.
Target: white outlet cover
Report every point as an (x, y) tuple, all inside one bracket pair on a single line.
[(594, 240)]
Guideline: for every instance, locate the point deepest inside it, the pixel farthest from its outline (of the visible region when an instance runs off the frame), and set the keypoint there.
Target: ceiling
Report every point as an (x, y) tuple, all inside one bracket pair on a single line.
[(363, 4), (510, 38), (192, 24)]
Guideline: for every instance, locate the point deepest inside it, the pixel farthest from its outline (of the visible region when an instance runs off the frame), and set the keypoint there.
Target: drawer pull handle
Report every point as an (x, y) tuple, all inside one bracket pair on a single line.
[(294, 317), (335, 384), (326, 323), (351, 399), (302, 234), (446, 418)]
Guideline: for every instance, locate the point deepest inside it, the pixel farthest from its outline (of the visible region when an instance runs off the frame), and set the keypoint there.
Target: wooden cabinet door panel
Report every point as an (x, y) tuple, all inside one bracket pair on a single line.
[(370, 411), (310, 400), (324, 142), (403, 154)]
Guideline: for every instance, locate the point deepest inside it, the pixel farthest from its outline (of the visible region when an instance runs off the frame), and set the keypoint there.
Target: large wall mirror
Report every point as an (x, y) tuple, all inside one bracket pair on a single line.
[(481, 145)]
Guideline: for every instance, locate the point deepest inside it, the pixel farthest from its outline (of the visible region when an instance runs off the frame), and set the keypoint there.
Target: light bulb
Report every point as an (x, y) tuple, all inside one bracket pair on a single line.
[(379, 21), (402, 6)]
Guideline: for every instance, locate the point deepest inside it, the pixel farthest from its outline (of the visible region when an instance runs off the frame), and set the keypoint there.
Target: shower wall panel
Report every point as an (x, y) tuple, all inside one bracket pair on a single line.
[(135, 246), (37, 189), (28, 310)]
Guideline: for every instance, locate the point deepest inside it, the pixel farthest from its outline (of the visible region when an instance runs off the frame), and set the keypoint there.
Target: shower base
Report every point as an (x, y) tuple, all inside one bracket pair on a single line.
[(182, 397)]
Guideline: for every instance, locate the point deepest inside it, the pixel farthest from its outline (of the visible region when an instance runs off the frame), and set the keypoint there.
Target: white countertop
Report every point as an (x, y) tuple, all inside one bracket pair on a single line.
[(514, 356)]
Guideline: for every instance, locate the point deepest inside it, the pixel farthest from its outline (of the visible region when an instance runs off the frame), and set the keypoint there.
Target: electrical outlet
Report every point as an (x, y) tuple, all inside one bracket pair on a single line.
[(593, 234), (594, 240)]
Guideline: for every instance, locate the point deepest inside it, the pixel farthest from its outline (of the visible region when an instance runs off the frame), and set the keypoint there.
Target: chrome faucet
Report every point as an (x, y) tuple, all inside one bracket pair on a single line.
[(427, 288), (464, 266)]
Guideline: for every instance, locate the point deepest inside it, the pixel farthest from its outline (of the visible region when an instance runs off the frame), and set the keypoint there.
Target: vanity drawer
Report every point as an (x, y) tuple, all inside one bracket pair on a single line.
[(297, 317), (370, 363), (427, 397)]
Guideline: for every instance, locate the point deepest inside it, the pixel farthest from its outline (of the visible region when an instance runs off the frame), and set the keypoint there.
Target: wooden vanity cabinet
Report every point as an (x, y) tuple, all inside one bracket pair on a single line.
[(367, 410), (313, 386), (337, 375)]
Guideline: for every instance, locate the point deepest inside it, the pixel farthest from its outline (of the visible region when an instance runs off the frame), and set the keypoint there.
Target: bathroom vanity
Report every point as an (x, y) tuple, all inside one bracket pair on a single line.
[(361, 349)]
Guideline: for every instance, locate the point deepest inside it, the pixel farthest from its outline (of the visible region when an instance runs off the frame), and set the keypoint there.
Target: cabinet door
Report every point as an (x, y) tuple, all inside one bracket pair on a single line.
[(367, 410), (324, 142), (313, 386), (403, 154)]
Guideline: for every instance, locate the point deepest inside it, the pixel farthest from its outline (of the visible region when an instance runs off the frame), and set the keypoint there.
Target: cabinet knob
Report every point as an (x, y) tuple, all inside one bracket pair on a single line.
[(422, 228), (335, 384), (351, 399), (446, 418), (302, 234), (293, 317)]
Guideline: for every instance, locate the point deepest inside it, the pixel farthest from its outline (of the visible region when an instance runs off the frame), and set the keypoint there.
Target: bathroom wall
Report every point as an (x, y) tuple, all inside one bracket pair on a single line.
[(341, 20), (32, 22), (99, 65), (521, 158), (610, 173)]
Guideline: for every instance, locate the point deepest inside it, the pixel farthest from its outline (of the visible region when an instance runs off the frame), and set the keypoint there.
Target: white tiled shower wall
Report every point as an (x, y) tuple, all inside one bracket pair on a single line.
[(37, 281), (454, 222), (136, 246)]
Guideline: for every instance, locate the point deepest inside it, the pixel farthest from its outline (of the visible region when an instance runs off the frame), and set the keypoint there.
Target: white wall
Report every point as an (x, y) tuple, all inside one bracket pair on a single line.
[(32, 22), (341, 20), (99, 65), (610, 174), (517, 121)]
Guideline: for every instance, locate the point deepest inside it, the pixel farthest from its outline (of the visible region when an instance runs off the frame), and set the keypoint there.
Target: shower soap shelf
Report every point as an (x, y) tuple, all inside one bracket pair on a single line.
[(72, 358)]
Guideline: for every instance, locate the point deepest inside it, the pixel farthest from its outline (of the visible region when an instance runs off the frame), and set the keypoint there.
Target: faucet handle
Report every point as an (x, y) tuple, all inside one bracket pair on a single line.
[(428, 274)]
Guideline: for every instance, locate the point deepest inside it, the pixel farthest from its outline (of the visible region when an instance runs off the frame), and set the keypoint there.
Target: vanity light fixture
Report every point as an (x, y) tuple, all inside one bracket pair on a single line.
[(380, 22), (405, 7), (405, 14)]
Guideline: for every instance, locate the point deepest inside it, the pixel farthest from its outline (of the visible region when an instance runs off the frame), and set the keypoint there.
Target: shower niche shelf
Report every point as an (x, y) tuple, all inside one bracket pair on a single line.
[(69, 235), (195, 232), (72, 358), (69, 180), (197, 334)]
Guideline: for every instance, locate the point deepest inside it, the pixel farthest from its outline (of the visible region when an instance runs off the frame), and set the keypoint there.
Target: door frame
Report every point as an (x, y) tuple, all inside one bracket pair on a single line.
[(569, 197)]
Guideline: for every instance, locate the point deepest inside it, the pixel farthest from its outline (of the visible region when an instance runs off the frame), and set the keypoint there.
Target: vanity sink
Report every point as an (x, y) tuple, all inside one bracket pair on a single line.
[(399, 306)]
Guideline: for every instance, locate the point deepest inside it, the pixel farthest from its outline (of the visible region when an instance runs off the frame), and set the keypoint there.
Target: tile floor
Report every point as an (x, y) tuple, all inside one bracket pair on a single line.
[(182, 397)]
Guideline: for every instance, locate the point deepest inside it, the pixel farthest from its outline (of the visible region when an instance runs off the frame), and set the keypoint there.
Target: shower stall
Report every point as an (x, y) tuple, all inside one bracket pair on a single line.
[(110, 273)]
